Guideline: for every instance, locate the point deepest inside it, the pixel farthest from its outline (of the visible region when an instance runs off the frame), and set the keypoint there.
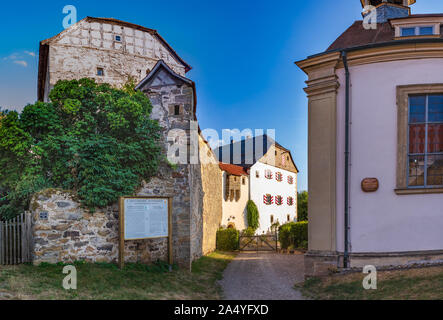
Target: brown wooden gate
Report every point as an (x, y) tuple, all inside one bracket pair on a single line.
[(16, 240), (258, 243)]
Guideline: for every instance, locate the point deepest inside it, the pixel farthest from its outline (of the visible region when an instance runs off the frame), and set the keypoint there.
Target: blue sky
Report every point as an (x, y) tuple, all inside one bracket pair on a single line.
[(242, 53)]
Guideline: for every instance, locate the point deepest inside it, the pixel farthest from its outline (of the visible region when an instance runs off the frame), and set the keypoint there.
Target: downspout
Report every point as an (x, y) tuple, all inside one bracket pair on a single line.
[(347, 127)]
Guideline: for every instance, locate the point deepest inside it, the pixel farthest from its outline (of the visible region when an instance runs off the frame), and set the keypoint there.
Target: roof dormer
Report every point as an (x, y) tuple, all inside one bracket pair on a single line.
[(425, 26)]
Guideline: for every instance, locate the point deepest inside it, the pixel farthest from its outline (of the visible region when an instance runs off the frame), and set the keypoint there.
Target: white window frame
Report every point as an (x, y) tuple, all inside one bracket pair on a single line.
[(435, 29), (417, 30)]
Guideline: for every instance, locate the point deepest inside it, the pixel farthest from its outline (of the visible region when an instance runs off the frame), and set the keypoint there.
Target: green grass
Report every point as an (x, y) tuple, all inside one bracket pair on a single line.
[(413, 284), (105, 281)]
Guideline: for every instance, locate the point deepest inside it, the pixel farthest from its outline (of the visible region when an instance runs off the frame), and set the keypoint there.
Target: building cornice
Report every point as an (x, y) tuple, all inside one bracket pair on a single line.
[(392, 51), (322, 86), (406, 51), (318, 61), (415, 20)]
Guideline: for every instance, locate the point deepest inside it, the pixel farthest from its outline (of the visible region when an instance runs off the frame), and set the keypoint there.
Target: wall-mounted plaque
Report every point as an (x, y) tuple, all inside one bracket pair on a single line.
[(369, 184), (145, 218)]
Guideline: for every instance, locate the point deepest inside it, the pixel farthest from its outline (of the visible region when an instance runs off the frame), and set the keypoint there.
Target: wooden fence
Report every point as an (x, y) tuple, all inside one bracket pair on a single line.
[(16, 240)]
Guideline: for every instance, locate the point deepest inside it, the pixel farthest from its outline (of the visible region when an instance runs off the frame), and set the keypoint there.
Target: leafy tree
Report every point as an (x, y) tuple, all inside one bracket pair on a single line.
[(91, 138), (253, 215), (302, 206)]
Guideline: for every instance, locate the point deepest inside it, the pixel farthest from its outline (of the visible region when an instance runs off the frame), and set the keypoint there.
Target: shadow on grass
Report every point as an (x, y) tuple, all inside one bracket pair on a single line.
[(415, 284), (107, 281)]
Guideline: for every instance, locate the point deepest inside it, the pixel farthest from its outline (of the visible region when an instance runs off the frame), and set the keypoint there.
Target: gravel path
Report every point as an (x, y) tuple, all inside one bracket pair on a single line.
[(263, 276)]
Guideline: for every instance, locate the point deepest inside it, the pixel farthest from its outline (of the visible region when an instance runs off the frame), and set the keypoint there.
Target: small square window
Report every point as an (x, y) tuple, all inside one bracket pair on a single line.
[(243, 180), (176, 110), (407, 32), (100, 72), (43, 215), (426, 31), (257, 174), (118, 38)]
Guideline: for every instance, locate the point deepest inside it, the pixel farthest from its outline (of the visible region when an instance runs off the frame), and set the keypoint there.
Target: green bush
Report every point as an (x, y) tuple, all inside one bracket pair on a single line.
[(95, 140), (302, 206), (253, 215), (294, 234), (227, 239), (284, 235), (249, 232)]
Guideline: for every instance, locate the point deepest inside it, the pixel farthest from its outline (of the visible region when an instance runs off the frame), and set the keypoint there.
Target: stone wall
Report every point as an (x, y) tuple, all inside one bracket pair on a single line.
[(89, 236), (71, 233), (196, 212), (166, 91), (211, 177)]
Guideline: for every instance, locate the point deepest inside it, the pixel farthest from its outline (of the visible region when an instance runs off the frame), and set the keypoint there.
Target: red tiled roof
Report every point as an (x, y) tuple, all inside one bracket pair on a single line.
[(233, 169), (357, 35)]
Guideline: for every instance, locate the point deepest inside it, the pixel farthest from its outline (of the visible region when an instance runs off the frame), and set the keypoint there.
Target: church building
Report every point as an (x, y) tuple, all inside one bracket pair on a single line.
[(375, 109)]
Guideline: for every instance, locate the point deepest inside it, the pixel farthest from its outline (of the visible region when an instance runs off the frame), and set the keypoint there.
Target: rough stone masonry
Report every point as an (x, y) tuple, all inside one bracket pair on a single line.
[(71, 233)]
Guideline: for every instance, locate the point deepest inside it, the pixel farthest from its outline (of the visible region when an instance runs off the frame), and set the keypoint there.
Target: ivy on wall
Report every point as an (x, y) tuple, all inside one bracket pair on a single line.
[(93, 139)]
